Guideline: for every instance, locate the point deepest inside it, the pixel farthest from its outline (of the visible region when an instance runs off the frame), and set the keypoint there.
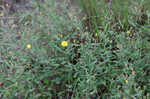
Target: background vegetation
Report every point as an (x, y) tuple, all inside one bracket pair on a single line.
[(106, 54)]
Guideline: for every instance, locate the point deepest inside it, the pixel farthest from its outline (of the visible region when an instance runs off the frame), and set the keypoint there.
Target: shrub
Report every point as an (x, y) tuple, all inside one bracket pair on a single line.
[(49, 53)]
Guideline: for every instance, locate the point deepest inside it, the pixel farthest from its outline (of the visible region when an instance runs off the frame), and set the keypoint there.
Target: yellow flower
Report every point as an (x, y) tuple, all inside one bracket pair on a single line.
[(84, 18), (96, 35), (111, 41), (126, 81), (86, 32), (16, 84), (1, 14), (64, 43), (28, 46), (14, 26), (128, 32), (7, 5), (78, 28)]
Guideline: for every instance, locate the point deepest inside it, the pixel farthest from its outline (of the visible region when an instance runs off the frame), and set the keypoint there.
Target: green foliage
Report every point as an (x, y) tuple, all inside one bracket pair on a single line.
[(109, 60)]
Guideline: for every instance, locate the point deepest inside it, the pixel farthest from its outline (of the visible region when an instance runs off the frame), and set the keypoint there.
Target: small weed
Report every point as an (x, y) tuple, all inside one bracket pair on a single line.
[(49, 52)]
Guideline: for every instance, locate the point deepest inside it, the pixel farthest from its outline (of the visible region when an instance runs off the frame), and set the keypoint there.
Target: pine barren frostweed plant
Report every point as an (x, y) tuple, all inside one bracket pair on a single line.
[(93, 66)]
